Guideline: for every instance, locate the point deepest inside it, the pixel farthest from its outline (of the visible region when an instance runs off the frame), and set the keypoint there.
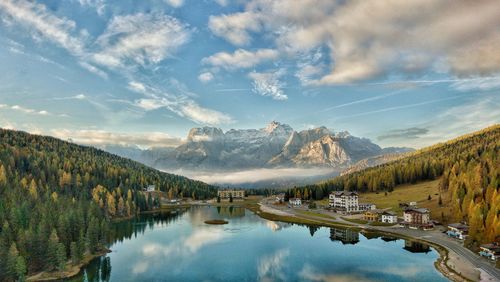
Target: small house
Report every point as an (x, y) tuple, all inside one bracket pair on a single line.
[(150, 188), (389, 217), (371, 215), (295, 201), (416, 216), (280, 198), (490, 251), (458, 230)]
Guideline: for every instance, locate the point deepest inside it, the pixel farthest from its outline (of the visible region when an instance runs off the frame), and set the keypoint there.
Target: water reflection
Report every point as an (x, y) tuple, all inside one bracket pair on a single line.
[(416, 247), (179, 246), (98, 270), (231, 211), (346, 236)]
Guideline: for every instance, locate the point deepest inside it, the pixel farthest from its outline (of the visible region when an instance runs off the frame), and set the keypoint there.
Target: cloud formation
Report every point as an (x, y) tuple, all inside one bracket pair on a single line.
[(26, 110), (101, 137), (181, 104), (205, 77), (42, 22), (407, 133), (369, 39), (269, 84), (141, 39), (240, 58)]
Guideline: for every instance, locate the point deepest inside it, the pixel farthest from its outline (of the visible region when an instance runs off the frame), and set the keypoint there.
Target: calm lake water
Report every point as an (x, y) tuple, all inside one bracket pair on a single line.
[(179, 246)]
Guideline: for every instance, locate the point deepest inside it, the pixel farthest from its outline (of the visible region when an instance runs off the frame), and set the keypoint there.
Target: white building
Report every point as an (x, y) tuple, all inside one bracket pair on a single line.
[(295, 201), (235, 194), (344, 201), (366, 206), (150, 188), (458, 230), (389, 217), (280, 198)]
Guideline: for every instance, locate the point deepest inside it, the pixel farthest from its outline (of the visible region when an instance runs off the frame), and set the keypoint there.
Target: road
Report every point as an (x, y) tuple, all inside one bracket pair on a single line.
[(434, 236)]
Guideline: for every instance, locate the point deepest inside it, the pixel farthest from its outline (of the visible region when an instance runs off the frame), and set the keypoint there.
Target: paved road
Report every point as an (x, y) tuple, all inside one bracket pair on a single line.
[(435, 236)]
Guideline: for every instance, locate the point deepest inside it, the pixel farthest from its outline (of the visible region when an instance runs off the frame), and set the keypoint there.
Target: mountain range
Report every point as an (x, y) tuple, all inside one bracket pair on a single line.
[(275, 146)]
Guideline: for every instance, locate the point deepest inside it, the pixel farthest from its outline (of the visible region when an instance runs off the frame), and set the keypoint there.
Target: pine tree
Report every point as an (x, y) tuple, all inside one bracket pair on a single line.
[(11, 262), (21, 268), (75, 256), (53, 259)]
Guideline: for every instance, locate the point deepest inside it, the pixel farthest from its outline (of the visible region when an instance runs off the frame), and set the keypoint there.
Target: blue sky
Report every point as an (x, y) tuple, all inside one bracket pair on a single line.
[(404, 73)]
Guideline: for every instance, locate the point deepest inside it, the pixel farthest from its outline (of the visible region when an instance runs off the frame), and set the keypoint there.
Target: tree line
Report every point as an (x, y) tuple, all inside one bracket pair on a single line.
[(469, 168), (57, 200)]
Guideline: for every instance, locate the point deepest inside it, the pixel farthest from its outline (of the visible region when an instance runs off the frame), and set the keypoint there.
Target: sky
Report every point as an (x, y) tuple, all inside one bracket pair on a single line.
[(402, 73)]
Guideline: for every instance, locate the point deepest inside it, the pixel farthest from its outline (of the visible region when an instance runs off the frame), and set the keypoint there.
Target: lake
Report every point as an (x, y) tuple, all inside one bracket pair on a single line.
[(179, 246)]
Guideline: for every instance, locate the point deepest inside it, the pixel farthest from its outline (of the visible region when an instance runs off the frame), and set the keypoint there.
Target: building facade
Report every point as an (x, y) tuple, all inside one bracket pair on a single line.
[(344, 201), (417, 218), (295, 201), (458, 231), (490, 251), (226, 194), (371, 215), (366, 206), (280, 198), (389, 217)]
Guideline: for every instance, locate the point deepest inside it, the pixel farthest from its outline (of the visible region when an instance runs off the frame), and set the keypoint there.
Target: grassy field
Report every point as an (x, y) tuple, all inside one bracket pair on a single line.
[(316, 214), (355, 220), (412, 193)]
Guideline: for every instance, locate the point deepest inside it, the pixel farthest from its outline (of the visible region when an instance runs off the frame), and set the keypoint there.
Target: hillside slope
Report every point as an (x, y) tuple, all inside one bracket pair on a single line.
[(470, 171), (56, 199)]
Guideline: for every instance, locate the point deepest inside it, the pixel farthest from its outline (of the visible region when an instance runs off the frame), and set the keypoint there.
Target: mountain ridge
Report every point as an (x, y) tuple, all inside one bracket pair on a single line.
[(277, 145)]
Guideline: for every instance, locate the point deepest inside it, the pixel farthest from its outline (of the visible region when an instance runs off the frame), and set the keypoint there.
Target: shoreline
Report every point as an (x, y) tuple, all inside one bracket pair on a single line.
[(441, 264), (269, 213), (71, 271)]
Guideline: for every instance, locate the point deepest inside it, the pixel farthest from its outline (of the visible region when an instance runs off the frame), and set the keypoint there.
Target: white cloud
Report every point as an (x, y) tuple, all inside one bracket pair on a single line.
[(478, 83), (142, 39), (98, 5), (151, 104), (270, 268), (240, 58), (101, 137), (202, 115), (369, 39), (42, 22), (93, 69), (269, 84), (205, 77), (310, 273), (137, 86), (235, 28), (175, 3), (25, 110)]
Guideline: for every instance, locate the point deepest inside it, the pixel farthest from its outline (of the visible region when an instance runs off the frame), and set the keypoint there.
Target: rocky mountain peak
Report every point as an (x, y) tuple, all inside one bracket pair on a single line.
[(278, 128)]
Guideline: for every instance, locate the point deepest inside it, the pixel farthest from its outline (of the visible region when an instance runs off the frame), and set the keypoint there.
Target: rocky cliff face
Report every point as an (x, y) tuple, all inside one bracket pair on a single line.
[(276, 145), (326, 151)]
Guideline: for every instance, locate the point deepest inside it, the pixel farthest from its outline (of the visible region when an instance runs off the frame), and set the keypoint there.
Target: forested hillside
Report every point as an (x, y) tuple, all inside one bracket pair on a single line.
[(57, 198), (470, 171)]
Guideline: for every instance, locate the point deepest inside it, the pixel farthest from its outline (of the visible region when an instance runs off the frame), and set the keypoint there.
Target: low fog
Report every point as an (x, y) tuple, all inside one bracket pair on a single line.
[(264, 177)]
